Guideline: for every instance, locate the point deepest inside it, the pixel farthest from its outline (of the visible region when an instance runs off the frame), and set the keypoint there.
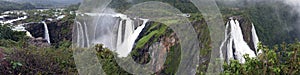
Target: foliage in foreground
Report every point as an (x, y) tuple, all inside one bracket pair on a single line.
[(22, 58), (7, 33), (279, 60)]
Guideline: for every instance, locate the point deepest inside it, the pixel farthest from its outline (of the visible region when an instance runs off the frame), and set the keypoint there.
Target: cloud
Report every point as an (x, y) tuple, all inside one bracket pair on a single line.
[(294, 3)]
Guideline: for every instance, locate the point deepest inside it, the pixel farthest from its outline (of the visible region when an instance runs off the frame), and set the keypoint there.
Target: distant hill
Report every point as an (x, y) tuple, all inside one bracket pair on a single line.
[(47, 3), (6, 6)]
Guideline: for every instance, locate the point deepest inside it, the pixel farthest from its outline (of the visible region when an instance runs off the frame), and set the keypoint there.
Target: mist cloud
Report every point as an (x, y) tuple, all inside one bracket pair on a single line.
[(295, 4)]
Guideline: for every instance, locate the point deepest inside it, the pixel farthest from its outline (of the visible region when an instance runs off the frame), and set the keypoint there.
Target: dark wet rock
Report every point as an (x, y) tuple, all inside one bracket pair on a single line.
[(36, 29), (60, 30), (137, 22)]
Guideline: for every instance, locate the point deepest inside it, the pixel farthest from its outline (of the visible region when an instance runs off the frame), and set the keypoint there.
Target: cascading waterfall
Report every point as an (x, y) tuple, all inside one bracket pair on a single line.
[(125, 35), (236, 46), (47, 37), (80, 34), (125, 46)]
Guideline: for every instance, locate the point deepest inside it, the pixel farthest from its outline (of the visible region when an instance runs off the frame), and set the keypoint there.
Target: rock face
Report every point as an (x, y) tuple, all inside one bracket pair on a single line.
[(157, 46), (168, 43), (36, 29), (202, 30), (58, 30)]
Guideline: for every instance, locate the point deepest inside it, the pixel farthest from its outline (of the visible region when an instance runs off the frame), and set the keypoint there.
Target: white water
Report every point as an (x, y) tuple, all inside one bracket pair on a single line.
[(80, 33), (22, 28), (240, 46), (130, 35), (229, 45), (255, 39), (13, 20), (60, 17), (3, 16), (47, 37), (126, 33)]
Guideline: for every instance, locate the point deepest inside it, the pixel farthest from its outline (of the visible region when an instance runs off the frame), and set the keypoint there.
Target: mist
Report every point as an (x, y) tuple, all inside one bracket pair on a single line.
[(295, 4)]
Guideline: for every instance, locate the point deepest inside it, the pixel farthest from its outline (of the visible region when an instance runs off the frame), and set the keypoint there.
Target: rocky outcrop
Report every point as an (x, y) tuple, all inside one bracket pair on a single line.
[(36, 29), (137, 22), (58, 30)]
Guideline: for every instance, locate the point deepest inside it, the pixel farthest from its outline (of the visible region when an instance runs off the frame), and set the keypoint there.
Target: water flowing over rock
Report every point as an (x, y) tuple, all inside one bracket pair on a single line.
[(234, 46), (125, 46), (255, 39), (116, 31), (47, 37), (13, 20)]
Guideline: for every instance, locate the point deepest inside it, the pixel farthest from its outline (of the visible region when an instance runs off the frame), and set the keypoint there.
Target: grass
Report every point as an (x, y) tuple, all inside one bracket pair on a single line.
[(156, 33)]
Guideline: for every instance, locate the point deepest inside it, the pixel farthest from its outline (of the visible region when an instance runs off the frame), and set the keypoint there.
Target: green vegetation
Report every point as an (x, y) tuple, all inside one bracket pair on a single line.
[(274, 21), (8, 34), (107, 59), (283, 59), (6, 6), (183, 5), (151, 33), (23, 58)]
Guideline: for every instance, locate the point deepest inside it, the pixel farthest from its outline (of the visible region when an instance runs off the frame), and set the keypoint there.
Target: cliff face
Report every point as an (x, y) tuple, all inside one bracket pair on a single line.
[(164, 44), (169, 44), (58, 30), (36, 29)]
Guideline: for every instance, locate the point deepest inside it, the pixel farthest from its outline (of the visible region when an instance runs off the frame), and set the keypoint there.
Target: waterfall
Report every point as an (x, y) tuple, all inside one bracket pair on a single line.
[(255, 39), (130, 35), (229, 45), (115, 31), (80, 34), (46, 32), (236, 45)]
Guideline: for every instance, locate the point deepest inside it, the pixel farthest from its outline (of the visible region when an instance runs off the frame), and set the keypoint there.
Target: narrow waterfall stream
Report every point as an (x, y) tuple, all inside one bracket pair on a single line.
[(47, 37), (255, 39)]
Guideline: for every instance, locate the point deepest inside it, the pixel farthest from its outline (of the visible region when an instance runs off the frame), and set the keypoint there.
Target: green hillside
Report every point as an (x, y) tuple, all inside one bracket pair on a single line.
[(6, 6)]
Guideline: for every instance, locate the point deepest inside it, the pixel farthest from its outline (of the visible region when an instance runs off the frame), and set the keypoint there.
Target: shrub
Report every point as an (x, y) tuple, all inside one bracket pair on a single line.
[(279, 60), (38, 60)]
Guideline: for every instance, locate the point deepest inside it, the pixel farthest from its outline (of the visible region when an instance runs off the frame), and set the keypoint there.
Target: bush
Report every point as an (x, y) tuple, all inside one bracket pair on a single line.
[(7, 33), (279, 60), (38, 60)]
